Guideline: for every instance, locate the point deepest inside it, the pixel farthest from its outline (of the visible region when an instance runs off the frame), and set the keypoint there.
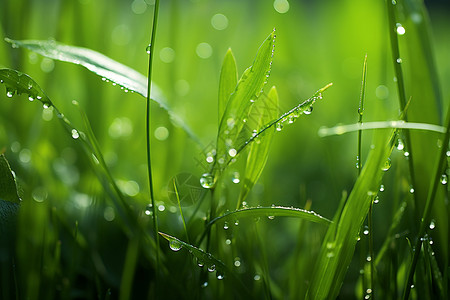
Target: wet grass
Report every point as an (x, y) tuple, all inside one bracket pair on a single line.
[(256, 201)]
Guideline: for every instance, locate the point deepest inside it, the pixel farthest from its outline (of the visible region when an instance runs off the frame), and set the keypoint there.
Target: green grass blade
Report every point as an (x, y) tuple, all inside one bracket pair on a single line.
[(92, 60), (273, 211), (105, 67), (339, 245), (20, 83), (248, 89), (8, 188), (261, 113), (228, 81)]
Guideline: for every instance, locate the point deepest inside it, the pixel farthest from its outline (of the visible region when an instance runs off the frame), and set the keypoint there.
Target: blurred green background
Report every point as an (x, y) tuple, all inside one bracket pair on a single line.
[(317, 42)]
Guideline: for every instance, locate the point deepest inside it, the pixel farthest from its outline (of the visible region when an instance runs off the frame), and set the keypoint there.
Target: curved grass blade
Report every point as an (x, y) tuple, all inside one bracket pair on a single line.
[(262, 112), (248, 89), (399, 124), (208, 260), (273, 211), (339, 244), (20, 83), (8, 188), (228, 81), (107, 68)]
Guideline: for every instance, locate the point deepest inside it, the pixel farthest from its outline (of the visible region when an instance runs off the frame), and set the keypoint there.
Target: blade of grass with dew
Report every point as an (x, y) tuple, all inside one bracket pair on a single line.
[(20, 83), (227, 82), (275, 211), (210, 262), (410, 29), (439, 169), (105, 67), (8, 187), (248, 88), (359, 159), (396, 124), (339, 245), (262, 112), (148, 143)]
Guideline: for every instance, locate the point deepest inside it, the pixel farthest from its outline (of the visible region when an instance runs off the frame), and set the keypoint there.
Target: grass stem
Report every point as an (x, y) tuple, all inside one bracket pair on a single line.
[(148, 134)]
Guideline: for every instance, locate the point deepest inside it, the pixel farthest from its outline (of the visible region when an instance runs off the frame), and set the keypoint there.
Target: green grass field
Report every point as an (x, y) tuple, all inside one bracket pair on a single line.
[(288, 149)]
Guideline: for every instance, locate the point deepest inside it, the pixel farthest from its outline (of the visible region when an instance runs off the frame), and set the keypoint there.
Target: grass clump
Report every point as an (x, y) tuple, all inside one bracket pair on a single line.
[(266, 210)]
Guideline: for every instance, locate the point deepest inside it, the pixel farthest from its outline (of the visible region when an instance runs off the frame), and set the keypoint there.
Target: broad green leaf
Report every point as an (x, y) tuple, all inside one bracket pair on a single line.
[(261, 113), (248, 89), (273, 211), (109, 69), (8, 188), (339, 244), (19, 83), (228, 80)]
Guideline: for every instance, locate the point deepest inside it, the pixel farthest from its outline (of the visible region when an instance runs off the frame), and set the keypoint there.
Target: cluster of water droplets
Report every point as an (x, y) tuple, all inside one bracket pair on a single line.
[(294, 114)]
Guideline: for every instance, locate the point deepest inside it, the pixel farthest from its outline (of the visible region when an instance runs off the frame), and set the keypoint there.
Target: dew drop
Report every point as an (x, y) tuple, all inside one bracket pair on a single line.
[(376, 200), (256, 277), (175, 245), (200, 263), (237, 262), (148, 48), (75, 134), (219, 275), (205, 284), (9, 93), (382, 188), (406, 154), (228, 241), (30, 98), (308, 111), (444, 179), (279, 126), (366, 231), (235, 178), (369, 258), (232, 152), (358, 162), (271, 217), (236, 222), (207, 181), (411, 190), (399, 60), (387, 165), (400, 145), (400, 29), (211, 268), (432, 225)]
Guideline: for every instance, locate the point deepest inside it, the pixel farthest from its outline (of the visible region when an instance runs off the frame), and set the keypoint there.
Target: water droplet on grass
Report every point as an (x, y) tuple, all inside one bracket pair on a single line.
[(9, 93), (279, 126), (432, 225), (235, 178), (382, 188), (387, 165), (400, 29), (411, 190), (308, 111), (30, 98), (219, 275), (75, 134), (444, 179), (256, 277), (232, 152), (399, 60), (175, 245), (207, 181), (211, 268), (148, 48)]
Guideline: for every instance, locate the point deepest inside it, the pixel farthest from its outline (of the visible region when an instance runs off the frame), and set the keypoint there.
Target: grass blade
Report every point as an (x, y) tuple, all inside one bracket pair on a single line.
[(339, 245), (248, 89), (273, 211), (228, 81), (262, 112), (8, 188), (20, 83), (107, 68)]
